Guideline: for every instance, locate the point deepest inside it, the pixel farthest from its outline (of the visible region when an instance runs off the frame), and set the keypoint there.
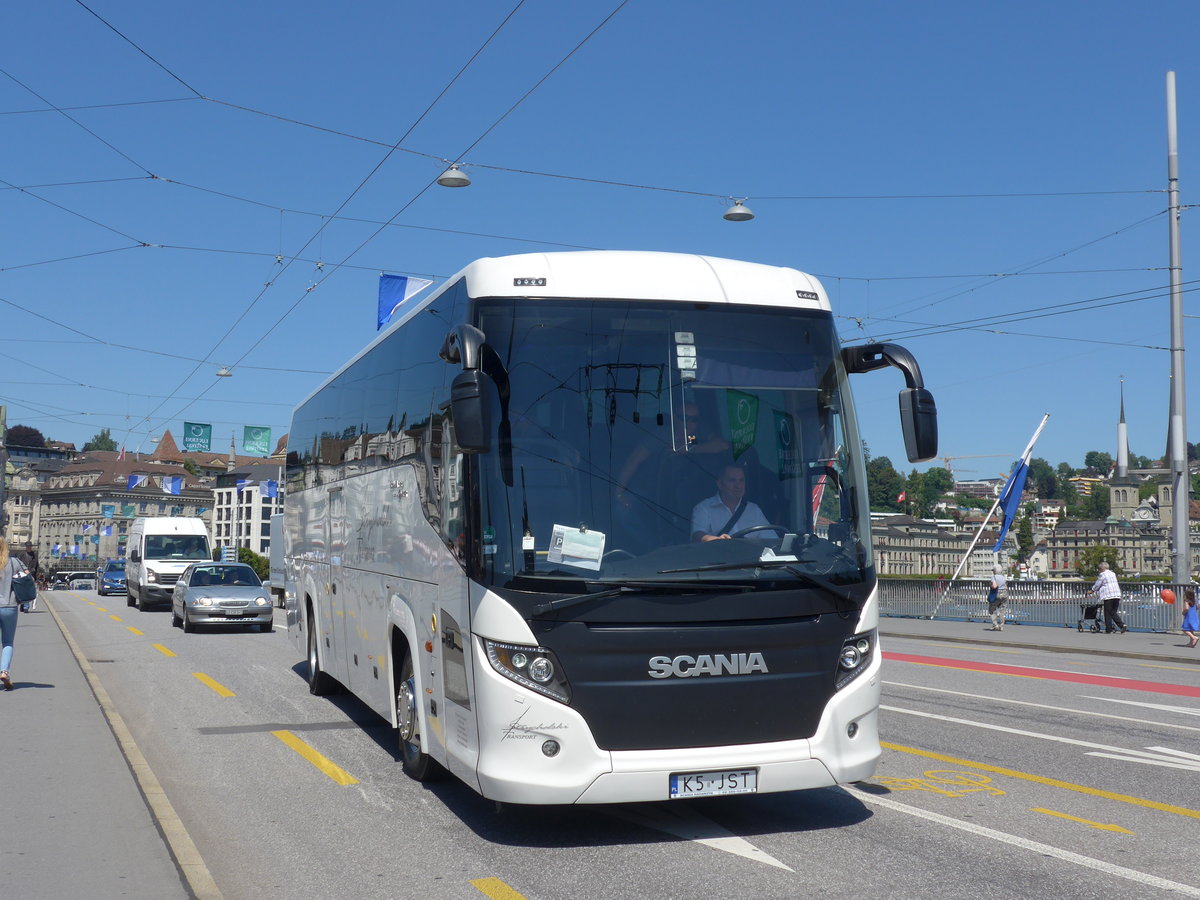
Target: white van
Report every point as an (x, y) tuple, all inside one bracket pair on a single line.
[(275, 560), (158, 550)]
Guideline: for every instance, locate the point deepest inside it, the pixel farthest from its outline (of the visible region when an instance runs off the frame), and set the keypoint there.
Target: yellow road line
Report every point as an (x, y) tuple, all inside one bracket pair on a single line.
[(1098, 825), (496, 889), (135, 631), (163, 650), (334, 771), (215, 685), (115, 618), (1051, 782)]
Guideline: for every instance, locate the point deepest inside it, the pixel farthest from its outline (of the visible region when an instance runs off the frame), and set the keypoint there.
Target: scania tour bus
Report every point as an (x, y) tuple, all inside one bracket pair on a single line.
[(491, 530)]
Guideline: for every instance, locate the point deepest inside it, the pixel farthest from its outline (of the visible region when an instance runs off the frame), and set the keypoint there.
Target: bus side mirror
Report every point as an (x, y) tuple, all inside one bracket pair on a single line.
[(918, 420), (469, 409)]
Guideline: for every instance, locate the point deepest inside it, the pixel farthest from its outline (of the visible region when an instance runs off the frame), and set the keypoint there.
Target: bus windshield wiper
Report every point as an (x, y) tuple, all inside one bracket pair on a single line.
[(806, 577), (626, 587)]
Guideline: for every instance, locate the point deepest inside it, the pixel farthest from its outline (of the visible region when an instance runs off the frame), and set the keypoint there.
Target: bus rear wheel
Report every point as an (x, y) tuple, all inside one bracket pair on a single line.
[(417, 765)]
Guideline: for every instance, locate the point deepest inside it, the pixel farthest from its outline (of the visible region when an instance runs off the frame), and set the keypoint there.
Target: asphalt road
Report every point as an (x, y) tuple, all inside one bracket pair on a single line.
[(1011, 769)]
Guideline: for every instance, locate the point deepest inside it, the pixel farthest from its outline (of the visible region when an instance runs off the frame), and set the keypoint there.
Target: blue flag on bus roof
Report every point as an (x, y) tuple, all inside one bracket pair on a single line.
[(393, 291)]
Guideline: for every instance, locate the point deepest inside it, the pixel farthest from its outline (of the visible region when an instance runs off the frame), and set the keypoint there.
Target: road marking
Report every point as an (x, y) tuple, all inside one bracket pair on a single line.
[(135, 631), (114, 617), (1128, 684), (334, 771), (1026, 844), (215, 685), (1174, 710), (1158, 756), (1049, 782), (163, 650), (496, 889), (101, 608), (1073, 710), (1087, 822), (676, 819)]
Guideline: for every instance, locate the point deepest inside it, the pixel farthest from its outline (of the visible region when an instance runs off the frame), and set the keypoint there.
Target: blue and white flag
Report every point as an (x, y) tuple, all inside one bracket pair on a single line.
[(107, 531), (393, 291), (86, 526), (1010, 497), (172, 484), (269, 489), (136, 481), (244, 483), (54, 551)]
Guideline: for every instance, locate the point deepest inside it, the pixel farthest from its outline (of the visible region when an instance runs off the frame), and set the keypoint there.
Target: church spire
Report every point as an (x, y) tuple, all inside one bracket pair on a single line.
[(1122, 439)]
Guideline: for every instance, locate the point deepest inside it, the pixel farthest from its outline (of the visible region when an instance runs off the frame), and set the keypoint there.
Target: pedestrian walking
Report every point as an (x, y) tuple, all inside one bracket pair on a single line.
[(1191, 617), (10, 567), (997, 599), (1109, 592), (28, 557)]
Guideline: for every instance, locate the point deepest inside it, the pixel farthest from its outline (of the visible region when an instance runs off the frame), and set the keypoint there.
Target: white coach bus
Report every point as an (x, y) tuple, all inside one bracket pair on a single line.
[(501, 517)]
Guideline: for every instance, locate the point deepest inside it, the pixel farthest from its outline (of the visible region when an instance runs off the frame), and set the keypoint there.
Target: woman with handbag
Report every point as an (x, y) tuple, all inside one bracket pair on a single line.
[(13, 578)]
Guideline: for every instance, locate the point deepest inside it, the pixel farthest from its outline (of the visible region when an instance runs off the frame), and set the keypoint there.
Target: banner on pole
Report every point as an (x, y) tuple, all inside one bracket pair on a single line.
[(197, 438)]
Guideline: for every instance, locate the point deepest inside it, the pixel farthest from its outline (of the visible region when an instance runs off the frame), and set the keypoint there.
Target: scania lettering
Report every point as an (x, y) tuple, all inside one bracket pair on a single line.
[(504, 530), (690, 666)]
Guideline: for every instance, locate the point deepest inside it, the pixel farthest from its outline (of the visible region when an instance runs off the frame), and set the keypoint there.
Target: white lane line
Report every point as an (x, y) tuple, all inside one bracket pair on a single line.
[(1025, 844), (1062, 709), (1166, 757), (691, 826), (1102, 750), (1163, 707)]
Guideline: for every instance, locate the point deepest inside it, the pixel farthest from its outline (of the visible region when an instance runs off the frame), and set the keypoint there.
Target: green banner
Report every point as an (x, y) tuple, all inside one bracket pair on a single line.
[(743, 420), (108, 510), (787, 446), (128, 510), (256, 440), (197, 438)]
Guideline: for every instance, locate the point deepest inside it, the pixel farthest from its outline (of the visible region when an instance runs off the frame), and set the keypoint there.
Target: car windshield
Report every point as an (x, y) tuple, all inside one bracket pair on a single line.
[(630, 438), (176, 546), (224, 576), (115, 567)]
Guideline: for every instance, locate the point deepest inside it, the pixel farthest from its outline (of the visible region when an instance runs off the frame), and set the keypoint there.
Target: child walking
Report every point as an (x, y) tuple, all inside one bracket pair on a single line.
[(1191, 618)]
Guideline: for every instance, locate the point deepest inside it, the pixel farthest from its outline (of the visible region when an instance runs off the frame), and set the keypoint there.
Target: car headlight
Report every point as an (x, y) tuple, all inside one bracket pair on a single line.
[(534, 667), (260, 601), (855, 658), (151, 576), (203, 601)]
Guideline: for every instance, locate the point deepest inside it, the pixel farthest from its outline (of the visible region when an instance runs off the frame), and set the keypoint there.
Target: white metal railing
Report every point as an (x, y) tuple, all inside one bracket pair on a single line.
[(1060, 603)]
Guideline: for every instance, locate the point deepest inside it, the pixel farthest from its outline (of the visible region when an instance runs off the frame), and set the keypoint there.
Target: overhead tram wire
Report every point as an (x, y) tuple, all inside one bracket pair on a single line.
[(325, 223), (433, 181)]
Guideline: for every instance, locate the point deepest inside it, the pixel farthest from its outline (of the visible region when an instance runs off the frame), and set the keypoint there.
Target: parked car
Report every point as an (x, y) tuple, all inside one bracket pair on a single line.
[(214, 593), (112, 578), (83, 584)]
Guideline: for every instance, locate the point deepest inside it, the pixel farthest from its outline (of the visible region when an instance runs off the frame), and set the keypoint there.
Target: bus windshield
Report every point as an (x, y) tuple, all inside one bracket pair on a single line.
[(667, 441)]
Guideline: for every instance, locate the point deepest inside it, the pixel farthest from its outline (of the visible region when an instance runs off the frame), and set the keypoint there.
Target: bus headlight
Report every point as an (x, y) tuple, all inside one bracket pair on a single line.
[(855, 658), (533, 667)]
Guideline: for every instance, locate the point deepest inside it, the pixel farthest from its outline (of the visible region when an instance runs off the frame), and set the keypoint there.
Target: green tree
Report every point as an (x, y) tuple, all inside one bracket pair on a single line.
[(190, 467), (1024, 537), (884, 485), (24, 436), (1042, 479), (1088, 564), (1064, 471), (260, 564), (1147, 489), (1097, 505), (101, 441), (1098, 460)]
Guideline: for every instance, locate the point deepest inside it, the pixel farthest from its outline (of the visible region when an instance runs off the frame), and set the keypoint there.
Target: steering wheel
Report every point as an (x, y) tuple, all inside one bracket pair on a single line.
[(778, 529), (614, 553)]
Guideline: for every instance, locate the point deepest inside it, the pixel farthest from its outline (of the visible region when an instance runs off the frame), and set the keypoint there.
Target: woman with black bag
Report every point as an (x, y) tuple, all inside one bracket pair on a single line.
[(13, 578)]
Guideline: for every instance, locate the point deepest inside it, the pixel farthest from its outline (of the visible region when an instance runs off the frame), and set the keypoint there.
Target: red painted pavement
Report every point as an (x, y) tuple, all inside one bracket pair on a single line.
[(1125, 684)]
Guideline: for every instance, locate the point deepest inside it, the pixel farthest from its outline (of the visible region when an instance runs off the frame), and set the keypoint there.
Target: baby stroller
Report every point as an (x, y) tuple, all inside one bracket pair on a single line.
[(1091, 613)]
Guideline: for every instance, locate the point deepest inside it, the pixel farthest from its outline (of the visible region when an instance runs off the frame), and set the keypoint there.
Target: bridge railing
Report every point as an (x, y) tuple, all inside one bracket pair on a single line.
[(1061, 603)]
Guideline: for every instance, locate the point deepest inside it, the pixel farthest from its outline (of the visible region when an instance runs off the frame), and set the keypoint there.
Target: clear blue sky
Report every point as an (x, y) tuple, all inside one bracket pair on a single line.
[(660, 116)]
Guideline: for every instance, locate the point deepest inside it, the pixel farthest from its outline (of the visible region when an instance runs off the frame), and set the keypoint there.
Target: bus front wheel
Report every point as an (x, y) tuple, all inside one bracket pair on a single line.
[(318, 681), (417, 765)]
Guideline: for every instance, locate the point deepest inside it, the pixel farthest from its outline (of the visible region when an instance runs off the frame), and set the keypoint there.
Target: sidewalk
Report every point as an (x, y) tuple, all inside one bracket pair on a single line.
[(76, 822), (1165, 647)]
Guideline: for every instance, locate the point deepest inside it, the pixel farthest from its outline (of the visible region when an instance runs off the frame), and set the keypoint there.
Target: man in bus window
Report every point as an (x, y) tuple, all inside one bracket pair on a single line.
[(729, 511)]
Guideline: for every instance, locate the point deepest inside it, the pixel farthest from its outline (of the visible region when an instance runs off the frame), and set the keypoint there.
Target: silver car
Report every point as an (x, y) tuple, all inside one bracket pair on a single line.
[(220, 594)]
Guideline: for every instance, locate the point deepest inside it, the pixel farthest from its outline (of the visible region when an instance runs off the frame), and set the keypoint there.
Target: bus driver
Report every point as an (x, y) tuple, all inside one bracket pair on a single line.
[(728, 512)]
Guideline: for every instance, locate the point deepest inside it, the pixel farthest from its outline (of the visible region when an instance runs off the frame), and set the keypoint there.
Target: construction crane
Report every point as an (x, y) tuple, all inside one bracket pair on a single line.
[(949, 468)]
